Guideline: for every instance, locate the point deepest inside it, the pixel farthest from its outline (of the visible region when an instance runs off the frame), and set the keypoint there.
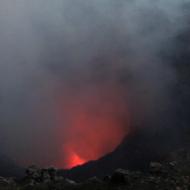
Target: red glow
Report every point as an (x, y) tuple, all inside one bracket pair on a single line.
[(75, 160), (90, 125)]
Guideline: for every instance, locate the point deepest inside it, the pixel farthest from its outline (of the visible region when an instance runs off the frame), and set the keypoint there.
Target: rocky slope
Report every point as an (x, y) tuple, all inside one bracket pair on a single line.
[(172, 174)]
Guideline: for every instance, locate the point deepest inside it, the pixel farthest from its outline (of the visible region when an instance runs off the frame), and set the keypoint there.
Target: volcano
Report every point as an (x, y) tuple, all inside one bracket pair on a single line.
[(152, 142), (93, 86), (134, 153), (91, 123)]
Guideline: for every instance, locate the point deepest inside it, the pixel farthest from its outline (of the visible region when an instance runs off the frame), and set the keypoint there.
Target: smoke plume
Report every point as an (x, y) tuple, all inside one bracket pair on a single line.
[(76, 76)]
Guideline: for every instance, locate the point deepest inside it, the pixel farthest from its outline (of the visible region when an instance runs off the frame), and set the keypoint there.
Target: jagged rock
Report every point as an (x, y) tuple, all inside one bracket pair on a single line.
[(107, 178), (120, 177), (52, 172), (173, 164), (31, 170), (33, 173), (4, 182), (63, 184), (94, 180), (45, 176), (58, 178), (69, 182), (168, 175), (155, 167), (37, 175)]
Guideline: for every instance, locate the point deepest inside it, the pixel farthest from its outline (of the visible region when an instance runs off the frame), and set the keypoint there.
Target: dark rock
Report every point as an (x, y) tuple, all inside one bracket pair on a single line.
[(52, 172), (36, 175), (45, 176), (33, 173), (120, 177), (94, 180), (4, 182), (173, 164), (69, 182), (168, 175), (155, 167), (107, 178)]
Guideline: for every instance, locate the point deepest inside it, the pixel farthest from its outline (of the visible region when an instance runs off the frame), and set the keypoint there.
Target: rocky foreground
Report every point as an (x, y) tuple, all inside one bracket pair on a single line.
[(169, 175)]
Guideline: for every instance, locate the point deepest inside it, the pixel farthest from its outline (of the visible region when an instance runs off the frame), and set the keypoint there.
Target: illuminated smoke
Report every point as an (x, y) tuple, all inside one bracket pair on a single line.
[(92, 122), (75, 76)]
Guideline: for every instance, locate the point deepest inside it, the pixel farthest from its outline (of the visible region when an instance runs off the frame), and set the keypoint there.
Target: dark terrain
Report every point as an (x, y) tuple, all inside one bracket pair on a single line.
[(172, 174)]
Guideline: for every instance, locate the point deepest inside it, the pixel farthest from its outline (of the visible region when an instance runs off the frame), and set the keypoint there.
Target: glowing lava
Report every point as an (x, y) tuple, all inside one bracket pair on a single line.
[(91, 125), (75, 160)]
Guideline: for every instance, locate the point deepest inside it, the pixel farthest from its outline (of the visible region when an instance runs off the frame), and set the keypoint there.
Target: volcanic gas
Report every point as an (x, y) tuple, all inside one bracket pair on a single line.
[(90, 124)]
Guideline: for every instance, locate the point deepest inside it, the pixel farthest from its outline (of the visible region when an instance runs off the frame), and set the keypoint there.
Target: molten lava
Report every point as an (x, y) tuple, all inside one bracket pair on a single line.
[(90, 126), (75, 160)]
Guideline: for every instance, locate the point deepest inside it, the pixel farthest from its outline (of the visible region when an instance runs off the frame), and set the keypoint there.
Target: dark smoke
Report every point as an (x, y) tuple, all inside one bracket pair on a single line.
[(52, 49)]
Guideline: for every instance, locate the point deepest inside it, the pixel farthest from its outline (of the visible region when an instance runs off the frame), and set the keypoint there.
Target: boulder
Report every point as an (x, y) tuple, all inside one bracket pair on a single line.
[(94, 180), (33, 173), (52, 173), (45, 176), (69, 182), (155, 167), (4, 182), (37, 175), (120, 176)]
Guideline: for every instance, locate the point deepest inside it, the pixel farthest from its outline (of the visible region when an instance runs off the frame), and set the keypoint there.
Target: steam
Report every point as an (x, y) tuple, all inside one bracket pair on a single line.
[(52, 50)]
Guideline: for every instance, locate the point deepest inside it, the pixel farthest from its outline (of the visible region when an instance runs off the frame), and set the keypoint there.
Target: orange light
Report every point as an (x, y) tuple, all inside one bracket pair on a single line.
[(90, 124), (75, 160)]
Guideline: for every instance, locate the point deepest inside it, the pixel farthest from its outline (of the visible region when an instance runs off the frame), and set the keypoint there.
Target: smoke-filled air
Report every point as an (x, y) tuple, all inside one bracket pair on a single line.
[(77, 77)]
